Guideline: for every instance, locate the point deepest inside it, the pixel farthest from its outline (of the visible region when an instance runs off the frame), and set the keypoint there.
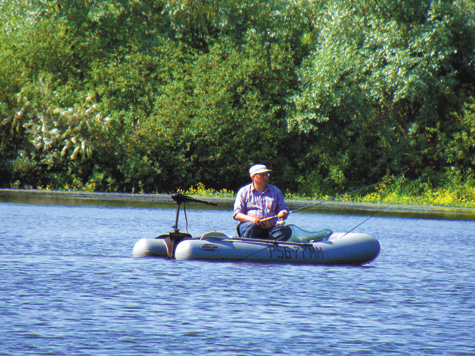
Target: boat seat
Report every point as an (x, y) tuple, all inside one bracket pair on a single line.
[(214, 235)]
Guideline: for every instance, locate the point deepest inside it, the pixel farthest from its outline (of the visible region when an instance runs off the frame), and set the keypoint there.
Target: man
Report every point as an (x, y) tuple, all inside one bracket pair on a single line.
[(259, 205)]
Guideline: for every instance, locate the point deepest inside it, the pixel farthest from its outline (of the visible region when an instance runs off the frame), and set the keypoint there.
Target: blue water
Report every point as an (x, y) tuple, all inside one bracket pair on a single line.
[(69, 286)]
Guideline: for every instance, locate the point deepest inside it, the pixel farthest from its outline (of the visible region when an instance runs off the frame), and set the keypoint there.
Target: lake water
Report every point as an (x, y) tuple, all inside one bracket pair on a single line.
[(69, 286)]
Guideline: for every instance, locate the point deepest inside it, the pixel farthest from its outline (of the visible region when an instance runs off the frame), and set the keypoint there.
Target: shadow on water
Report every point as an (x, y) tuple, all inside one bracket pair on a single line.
[(45, 197)]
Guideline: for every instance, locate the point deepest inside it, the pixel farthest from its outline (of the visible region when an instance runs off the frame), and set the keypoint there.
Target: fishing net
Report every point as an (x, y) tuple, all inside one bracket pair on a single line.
[(302, 235)]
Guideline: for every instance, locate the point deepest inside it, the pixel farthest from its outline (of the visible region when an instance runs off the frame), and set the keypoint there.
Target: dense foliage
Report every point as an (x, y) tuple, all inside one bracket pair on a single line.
[(155, 95)]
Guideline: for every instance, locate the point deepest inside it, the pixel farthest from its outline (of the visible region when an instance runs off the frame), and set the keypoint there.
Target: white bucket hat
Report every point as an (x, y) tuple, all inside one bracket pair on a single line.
[(258, 168)]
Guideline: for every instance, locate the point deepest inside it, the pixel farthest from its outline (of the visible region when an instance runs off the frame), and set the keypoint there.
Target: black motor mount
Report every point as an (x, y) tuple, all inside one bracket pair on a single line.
[(176, 236)]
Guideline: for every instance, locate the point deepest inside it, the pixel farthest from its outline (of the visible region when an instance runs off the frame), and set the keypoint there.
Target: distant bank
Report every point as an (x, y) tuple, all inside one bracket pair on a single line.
[(48, 197)]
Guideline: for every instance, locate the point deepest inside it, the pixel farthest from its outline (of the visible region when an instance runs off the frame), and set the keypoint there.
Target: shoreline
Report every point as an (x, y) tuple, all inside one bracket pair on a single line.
[(38, 196)]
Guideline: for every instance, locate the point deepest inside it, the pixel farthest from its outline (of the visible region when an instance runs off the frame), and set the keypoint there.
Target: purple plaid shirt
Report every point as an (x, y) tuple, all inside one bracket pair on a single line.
[(251, 202)]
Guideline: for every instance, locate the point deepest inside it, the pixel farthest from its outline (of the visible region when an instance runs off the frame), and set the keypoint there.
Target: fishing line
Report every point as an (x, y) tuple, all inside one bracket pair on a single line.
[(351, 192), (376, 213)]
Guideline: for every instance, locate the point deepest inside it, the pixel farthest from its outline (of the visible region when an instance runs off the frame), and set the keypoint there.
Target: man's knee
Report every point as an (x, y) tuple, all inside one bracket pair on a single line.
[(248, 229), (281, 233)]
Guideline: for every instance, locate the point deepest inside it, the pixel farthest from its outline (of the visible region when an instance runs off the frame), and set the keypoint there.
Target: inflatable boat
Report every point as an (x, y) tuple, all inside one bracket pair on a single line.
[(303, 247)]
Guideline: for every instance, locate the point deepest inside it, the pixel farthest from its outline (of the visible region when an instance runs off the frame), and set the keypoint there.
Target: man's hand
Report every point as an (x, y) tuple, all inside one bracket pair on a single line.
[(255, 220), (283, 215)]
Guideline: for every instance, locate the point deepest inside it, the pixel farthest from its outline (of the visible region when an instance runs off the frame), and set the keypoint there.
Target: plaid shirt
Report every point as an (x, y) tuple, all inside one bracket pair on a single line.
[(263, 205)]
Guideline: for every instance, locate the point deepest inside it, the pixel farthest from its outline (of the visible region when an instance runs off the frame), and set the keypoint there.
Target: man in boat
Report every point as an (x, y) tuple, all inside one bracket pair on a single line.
[(259, 206)]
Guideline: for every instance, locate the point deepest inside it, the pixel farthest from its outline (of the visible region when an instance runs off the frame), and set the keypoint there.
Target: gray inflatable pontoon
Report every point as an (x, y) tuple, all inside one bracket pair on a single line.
[(303, 247)]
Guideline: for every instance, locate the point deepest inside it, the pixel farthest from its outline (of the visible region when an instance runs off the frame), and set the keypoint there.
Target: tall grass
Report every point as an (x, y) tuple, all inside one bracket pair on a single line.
[(419, 193), (201, 190)]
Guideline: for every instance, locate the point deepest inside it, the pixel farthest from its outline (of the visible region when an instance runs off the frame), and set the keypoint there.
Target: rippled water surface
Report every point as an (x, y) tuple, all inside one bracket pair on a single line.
[(70, 286)]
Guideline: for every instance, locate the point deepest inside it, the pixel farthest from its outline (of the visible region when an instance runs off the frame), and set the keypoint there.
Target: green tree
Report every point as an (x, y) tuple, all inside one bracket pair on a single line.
[(222, 113), (378, 90), (146, 95)]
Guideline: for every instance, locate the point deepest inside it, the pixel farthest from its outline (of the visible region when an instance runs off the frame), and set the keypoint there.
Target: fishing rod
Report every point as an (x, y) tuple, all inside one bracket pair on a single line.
[(340, 195), (365, 220)]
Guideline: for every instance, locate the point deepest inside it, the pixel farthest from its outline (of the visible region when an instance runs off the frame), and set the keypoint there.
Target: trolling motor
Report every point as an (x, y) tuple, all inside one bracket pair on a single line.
[(176, 236)]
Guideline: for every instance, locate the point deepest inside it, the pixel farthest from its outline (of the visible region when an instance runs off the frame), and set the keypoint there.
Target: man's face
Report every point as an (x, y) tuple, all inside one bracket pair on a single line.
[(261, 178)]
